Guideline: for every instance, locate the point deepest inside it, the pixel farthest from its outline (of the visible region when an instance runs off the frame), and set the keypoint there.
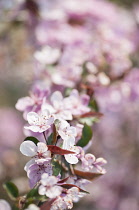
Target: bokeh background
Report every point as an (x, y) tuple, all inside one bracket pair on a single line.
[(114, 27)]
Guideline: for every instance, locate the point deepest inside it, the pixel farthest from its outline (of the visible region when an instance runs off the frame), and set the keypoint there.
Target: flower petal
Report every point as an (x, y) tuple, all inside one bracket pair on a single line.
[(42, 190), (28, 164), (44, 178), (33, 118), (48, 107), (23, 103), (53, 192), (33, 128), (56, 97), (45, 113), (28, 148), (50, 121), (72, 159)]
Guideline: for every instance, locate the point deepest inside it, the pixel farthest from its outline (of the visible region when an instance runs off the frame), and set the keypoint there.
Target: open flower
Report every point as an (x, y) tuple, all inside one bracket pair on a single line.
[(67, 132), (77, 104), (49, 186), (58, 107), (89, 162), (32, 102), (39, 152), (39, 122), (71, 158), (65, 201), (36, 170)]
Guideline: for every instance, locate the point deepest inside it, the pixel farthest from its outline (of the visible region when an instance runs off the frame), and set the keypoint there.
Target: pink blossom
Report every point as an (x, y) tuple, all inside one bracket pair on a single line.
[(49, 186), (67, 132), (65, 201), (35, 171), (77, 104), (32, 102), (89, 162), (68, 144), (71, 75), (57, 107), (39, 122), (39, 152)]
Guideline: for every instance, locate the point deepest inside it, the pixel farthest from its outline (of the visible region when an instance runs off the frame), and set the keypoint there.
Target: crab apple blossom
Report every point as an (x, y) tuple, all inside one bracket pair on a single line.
[(67, 132), (39, 153), (70, 75), (35, 171), (81, 183), (72, 158), (32, 102), (89, 162), (58, 107), (49, 186), (75, 194), (65, 200), (47, 55), (77, 104), (68, 144), (39, 122)]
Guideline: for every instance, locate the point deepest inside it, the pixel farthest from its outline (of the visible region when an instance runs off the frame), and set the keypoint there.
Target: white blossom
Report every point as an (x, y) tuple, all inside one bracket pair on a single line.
[(90, 161), (39, 122), (57, 107), (49, 186), (67, 132), (39, 152)]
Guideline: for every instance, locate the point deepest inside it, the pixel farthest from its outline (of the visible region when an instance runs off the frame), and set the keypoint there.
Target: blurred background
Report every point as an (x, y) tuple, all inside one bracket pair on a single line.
[(108, 33)]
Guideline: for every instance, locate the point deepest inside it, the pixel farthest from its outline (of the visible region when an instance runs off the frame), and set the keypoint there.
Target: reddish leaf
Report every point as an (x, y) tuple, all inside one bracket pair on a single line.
[(88, 88), (47, 205), (69, 186), (58, 150), (63, 180), (87, 175), (91, 114)]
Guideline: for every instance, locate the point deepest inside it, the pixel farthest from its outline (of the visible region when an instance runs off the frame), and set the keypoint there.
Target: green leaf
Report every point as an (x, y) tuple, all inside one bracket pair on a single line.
[(34, 196), (50, 139), (86, 136), (54, 135), (11, 190), (15, 207), (32, 193), (93, 104), (87, 120), (32, 138), (56, 168), (67, 91)]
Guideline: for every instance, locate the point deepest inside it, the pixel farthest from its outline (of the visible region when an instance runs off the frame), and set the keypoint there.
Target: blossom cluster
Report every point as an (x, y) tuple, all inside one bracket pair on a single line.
[(79, 51), (59, 146)]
